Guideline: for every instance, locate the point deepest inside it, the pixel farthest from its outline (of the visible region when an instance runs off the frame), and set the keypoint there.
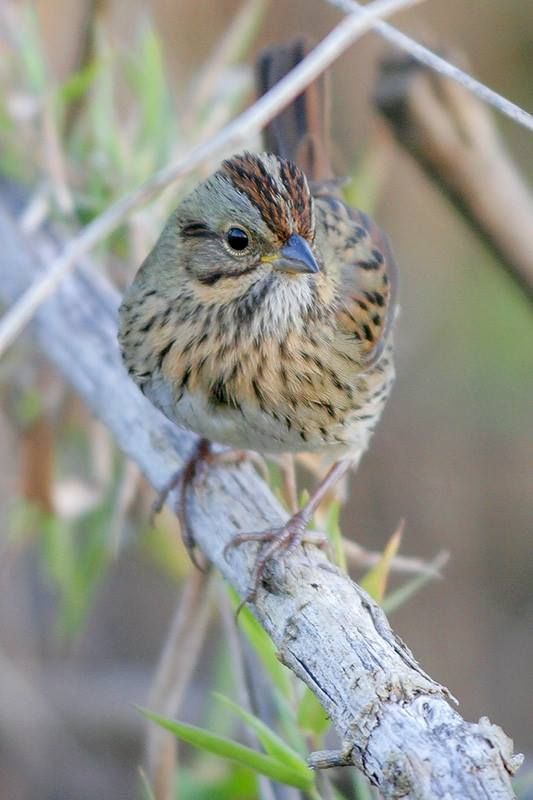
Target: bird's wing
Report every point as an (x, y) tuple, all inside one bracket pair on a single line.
[(368, 276)]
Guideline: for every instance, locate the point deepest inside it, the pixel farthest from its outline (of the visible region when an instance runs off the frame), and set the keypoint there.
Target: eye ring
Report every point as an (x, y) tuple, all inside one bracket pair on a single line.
[(237, 239)]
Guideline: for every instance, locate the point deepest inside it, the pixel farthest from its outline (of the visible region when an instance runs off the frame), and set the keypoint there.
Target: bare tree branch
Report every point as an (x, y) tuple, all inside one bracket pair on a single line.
[(395, 722), (232, 137), (453, 137)]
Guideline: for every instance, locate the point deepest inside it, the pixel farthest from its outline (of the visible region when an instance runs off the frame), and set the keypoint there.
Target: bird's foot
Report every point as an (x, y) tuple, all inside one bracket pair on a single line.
[(274, 542), (287, 538), (193, 474)]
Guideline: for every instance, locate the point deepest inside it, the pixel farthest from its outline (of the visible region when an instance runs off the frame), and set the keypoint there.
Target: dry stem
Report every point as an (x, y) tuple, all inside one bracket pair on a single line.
[(438, 64)]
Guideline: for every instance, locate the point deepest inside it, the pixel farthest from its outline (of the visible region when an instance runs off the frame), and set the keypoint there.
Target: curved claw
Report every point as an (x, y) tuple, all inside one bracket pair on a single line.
[(194, 472), (273, 542)]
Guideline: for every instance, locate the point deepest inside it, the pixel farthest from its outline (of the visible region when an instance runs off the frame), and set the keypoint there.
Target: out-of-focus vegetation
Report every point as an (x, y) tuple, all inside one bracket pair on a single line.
[(87, 585)]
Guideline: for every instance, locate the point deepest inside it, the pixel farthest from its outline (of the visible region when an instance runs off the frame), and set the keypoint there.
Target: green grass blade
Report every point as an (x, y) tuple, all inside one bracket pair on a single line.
[(240, 783), (335, 535), (227, 748), (156, 123), (403, 593), (375, 581), (30, 51), (77, 85), (264, 647), (311, 714), (273, 744)]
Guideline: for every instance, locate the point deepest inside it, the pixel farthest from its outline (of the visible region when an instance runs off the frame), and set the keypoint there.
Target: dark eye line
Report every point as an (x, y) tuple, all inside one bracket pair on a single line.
[(214, 277), (198, 230)]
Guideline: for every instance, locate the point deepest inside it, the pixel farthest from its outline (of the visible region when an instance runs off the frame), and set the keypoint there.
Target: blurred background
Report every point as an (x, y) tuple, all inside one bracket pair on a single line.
[(87, 589)]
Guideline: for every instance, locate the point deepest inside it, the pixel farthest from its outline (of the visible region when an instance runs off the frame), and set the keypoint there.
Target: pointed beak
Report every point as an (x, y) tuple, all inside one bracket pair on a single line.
[(296, 256)]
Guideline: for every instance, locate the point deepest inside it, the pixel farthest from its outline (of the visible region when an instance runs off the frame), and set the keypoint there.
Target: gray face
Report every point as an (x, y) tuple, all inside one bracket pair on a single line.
[(243, 218), (223, 233)]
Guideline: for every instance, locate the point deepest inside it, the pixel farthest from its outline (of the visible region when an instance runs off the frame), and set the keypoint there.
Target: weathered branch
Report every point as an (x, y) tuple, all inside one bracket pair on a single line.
[(453, 137), (394, 721)]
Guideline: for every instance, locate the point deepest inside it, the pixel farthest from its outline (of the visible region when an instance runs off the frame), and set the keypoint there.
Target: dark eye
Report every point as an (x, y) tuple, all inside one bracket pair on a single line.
[(237, 239)]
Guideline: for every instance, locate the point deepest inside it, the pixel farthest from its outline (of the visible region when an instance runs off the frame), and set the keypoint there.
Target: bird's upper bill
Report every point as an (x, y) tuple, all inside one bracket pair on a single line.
[(295, 257)]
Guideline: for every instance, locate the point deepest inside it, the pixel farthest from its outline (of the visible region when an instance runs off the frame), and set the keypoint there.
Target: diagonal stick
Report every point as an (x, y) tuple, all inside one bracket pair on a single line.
[(234, 135)]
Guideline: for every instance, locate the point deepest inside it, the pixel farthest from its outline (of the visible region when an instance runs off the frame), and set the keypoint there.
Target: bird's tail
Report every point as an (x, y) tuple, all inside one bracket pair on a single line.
[(299, 133)]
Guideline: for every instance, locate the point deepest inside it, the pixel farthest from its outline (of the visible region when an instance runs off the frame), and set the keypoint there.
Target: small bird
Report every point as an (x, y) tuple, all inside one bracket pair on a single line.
[(262, 318)]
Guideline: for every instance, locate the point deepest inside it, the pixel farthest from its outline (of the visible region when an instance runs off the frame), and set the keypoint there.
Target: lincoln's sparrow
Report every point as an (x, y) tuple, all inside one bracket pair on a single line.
[(262, 317)]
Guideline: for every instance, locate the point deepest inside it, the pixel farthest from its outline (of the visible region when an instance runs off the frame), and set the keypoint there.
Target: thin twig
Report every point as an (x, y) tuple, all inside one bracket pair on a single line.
[(439, 64), (233, 136), (226, 51), (359, 556)]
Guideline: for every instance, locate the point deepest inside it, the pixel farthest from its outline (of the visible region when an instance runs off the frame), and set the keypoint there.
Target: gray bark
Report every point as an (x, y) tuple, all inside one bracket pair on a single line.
[(395, 722)]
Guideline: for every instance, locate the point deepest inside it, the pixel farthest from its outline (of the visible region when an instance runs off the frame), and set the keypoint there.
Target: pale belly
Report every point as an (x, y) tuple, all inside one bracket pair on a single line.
[(250, 428)]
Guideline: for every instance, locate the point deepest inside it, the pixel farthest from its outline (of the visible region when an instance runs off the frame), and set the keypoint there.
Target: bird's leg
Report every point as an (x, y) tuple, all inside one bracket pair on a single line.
[(290, 535), (193, 469), (238, 456), (193, 473)]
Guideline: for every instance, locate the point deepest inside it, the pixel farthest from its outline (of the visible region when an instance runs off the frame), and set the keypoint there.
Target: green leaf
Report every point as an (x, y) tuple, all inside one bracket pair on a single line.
[(239, 784), (273, 744), (375, 581), (264, 647), (366, 174), (152, 93), (30, 50), (227, 748), (29, 407), (78, 84), (334, 533), (311, 714), (289, 728), (104, 128)]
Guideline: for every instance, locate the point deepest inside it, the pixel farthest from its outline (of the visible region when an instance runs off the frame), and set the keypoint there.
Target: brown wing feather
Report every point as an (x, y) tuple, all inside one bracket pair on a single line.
[(369, 280)]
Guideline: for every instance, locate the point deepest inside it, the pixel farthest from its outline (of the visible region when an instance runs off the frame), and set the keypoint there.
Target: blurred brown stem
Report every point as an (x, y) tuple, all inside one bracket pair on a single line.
[(453, 137), (178, 659)]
